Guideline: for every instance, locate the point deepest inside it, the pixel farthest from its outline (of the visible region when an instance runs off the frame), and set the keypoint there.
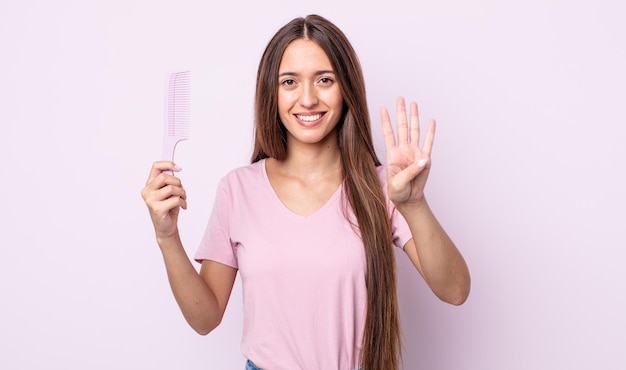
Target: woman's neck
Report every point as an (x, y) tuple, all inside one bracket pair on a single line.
[(311, 161)]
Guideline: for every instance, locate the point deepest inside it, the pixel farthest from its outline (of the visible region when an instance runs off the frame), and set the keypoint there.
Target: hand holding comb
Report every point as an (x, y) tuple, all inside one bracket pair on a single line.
[(177, 112)]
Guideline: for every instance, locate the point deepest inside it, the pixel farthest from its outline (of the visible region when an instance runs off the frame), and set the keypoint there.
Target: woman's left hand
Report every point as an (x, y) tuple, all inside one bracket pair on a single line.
[(408, 165)]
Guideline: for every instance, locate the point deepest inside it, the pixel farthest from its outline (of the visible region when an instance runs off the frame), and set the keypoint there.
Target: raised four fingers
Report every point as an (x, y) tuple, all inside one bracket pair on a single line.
[(408, 132)]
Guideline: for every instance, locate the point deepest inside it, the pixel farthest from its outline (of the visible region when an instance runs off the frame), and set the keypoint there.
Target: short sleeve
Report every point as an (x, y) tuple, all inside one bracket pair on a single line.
[(399, 227), (216, 243), (400, 231)]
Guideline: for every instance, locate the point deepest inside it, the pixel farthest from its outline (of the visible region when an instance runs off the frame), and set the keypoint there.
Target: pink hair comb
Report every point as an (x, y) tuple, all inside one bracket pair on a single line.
[(177, 112)]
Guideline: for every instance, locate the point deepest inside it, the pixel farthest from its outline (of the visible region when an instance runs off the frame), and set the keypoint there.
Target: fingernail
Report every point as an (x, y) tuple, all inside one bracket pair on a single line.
[(422, 162), (177, 169)]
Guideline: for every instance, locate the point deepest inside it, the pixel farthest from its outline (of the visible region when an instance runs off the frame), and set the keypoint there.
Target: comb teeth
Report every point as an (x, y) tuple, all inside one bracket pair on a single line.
[(177, 108), (178, 104)]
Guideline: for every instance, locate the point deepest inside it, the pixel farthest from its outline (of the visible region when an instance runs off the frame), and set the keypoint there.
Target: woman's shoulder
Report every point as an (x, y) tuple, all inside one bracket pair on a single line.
[(247, 169), (244, 174)]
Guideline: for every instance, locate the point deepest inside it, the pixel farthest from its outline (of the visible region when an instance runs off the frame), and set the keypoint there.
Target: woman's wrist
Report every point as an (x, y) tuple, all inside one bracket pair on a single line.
[(169, 241), (406, 208)]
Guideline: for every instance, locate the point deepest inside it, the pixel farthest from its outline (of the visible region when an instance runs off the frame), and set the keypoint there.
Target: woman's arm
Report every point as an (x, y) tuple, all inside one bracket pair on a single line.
[(431, 250), (202, 297), (435, 256)]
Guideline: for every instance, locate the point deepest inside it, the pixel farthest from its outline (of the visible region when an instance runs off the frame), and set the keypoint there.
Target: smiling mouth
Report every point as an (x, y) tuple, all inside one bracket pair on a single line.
[(309, 118)]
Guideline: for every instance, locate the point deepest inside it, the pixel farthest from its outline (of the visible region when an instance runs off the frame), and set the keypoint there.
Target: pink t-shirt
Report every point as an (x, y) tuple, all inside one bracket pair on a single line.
[(303, 278)]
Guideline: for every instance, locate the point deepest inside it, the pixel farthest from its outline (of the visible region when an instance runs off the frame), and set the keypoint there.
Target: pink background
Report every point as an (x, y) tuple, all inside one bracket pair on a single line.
[(528, 173)]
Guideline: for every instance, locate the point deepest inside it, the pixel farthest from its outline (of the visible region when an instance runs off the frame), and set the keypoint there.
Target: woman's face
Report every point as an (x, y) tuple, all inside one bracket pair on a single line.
[(309, 97)]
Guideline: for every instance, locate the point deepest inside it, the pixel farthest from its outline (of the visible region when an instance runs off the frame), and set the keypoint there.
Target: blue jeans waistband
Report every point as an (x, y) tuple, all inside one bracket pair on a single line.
[(251, 366)]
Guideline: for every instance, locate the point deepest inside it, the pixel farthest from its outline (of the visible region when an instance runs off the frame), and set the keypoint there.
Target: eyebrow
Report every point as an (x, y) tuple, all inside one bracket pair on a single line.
[(322, 72)]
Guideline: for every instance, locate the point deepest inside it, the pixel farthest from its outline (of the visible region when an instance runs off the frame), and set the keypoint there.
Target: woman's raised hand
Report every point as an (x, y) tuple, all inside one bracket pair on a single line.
[(408, 165), (164, 195)]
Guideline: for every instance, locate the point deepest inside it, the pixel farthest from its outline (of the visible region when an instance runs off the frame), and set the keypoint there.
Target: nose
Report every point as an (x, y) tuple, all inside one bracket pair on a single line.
[(308, 96)]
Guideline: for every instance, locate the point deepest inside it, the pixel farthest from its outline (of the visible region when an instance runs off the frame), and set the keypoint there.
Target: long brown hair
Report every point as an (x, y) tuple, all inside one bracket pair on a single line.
[(381, 337)]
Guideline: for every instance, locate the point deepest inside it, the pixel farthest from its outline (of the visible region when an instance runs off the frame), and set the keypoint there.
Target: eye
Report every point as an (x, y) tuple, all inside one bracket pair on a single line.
[(288, 82), (326, 81)]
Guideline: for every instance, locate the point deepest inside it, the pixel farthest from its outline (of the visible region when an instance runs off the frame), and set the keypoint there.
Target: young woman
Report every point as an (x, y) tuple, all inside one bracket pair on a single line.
[(310, 224)]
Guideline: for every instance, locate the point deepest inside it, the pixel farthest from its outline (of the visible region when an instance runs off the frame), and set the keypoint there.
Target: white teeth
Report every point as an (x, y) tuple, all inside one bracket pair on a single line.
[(312, 118)]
